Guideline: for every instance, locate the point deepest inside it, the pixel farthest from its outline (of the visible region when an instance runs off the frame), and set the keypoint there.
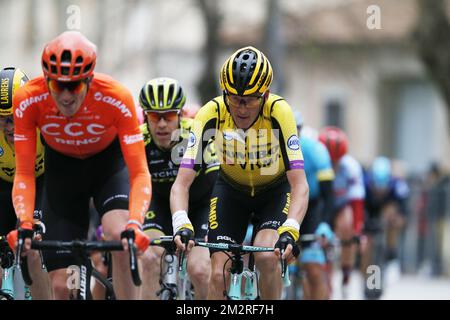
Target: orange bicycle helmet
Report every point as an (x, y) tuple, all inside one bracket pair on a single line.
[(69, 57)]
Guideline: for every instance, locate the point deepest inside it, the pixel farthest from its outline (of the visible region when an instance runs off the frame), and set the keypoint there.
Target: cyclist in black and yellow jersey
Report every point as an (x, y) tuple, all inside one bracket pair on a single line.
[(261, 170), (11, 79), (166, 135)]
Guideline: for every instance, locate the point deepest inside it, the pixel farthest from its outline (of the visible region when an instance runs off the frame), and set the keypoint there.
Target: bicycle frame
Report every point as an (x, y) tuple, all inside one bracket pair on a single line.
[(184, 290), (172, 287), (7, 290), (237, 271), (169, 285)]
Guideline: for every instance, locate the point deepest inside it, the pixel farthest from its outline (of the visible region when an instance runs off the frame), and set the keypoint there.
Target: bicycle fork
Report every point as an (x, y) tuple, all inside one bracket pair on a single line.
[(250, 290)]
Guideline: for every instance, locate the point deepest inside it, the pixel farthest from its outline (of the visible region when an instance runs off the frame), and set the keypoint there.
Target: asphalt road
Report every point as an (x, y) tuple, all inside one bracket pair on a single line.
[(398, 286)]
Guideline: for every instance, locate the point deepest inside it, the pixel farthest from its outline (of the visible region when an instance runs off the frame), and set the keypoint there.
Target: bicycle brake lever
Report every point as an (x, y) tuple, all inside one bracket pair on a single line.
[(283, 263), (182, 256), (134, 268), (19, 252), (133, 263)]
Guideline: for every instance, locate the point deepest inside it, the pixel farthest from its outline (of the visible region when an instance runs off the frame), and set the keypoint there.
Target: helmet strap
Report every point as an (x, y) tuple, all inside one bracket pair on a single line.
[(224, 93)]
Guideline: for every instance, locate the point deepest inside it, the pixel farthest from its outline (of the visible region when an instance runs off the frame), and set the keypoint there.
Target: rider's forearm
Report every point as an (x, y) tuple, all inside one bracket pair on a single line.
[(298, 202), (179, 200), (179, 194), (179, 197), (140, 184)]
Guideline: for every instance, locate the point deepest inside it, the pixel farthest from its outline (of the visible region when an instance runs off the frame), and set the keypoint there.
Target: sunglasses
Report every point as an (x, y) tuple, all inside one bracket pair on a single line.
[(155, 117), (75, 87), (248, 101)]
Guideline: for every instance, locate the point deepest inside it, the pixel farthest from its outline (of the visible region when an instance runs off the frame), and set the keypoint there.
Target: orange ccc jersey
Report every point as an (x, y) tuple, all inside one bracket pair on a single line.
[(107, 112)]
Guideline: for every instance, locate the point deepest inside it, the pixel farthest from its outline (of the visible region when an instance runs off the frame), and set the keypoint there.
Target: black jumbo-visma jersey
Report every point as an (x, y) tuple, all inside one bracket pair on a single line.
[(164, 164)]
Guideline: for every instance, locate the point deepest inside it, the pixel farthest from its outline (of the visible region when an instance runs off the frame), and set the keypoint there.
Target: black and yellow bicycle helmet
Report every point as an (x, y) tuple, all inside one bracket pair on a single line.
[(11, 79), (162, 94), (246, 72)]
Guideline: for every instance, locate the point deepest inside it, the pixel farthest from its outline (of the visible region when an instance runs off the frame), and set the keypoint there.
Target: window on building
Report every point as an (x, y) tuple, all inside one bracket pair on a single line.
[(334, 113)]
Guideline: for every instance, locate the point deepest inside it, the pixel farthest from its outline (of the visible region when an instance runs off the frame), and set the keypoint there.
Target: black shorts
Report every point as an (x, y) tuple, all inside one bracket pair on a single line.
[(70, 183), (159, 216), (372, 225), (232, 210), (311, 221), (8, 218)]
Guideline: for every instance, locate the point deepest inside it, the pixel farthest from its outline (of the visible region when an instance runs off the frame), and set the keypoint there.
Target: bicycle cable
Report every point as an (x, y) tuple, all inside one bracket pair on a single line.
[(161, 264), (223, 274)]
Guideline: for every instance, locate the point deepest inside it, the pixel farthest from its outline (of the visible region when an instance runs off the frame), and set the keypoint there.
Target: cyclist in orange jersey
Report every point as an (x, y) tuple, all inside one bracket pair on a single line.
[(93, 149)]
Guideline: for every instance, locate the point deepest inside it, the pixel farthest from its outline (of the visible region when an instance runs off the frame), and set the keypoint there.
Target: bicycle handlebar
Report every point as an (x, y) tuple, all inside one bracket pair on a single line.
[(234, 248), (83, 247), (165, 242)]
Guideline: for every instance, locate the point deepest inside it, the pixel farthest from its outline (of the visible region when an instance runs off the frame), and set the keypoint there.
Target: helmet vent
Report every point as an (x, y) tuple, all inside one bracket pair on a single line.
[(170, 94), (245, 56), (79, 59), (87, 68), (45, 65), (66, 56), (76, 71), (160, 95), (151, 95), (179, 97), (65, 71), (54, 70), (53, 58)]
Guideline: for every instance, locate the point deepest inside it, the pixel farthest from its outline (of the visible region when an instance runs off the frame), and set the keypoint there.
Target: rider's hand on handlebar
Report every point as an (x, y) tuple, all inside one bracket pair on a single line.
[(141, 240), (25, 232), (184, 236), (180, 223), (287, 244)]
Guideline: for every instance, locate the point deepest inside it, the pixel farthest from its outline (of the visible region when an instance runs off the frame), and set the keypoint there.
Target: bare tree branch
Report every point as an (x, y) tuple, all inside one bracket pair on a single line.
[(432, 35)]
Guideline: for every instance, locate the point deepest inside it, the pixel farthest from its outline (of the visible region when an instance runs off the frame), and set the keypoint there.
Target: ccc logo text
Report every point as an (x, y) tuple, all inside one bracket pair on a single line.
[(73, 129)]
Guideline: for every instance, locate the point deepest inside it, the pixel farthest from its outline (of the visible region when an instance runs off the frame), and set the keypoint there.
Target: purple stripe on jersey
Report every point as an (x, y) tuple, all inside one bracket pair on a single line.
[(296, 164), (187, 163)]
